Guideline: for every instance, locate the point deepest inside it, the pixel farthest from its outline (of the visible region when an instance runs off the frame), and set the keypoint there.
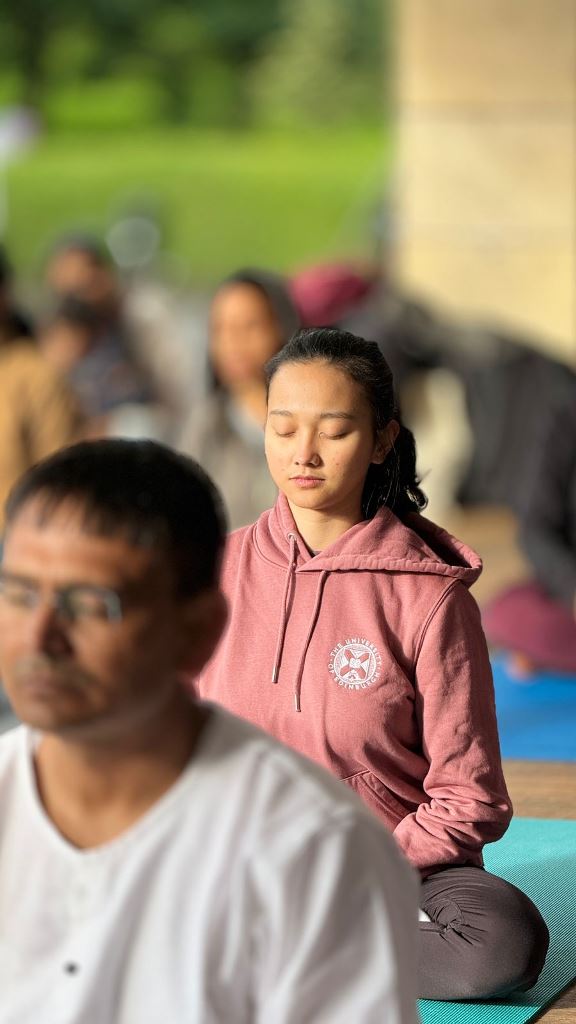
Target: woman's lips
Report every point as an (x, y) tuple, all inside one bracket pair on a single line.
[(307, 481)]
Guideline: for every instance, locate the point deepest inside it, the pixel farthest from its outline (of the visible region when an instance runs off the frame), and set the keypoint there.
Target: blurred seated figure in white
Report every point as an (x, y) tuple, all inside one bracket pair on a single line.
[(251, 318), (160, 860)]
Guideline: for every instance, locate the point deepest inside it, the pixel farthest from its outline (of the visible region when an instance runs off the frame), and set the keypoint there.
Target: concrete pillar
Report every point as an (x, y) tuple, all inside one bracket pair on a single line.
[(486, 176)]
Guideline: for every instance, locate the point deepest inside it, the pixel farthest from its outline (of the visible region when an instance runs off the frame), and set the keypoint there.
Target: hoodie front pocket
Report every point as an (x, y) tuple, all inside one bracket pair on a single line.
[(378, 798)]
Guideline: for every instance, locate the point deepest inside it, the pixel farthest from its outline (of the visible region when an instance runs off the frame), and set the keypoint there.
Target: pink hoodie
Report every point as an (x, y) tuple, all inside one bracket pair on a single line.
[(369, 658)]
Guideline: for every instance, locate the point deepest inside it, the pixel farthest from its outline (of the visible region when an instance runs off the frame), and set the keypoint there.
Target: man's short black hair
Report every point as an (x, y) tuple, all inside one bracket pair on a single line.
[(141, 490)]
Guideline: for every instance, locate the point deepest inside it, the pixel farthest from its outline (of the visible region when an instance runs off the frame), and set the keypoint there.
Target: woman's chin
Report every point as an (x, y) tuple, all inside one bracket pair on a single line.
[(311, 498)]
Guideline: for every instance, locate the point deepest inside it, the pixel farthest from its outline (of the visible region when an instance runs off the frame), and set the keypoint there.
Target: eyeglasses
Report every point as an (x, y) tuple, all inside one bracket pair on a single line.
[(79, 602)]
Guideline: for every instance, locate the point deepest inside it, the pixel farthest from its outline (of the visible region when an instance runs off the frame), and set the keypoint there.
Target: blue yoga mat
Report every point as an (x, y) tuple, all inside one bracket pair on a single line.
[(536, 719), (538, 856)]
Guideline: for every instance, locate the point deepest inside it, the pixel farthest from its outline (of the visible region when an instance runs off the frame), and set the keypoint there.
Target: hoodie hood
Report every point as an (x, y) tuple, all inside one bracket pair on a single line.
[(382, 544)]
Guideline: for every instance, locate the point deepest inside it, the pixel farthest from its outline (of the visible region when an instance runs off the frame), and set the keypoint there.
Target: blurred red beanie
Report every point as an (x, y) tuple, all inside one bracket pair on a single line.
[(327, 292)]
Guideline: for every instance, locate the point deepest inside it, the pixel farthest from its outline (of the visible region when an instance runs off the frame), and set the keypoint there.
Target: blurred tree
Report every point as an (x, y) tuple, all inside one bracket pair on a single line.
[(315, 60), (71, 53), (324, 63), (39, 39), (174, 45), (26, 27), (201, 53), (238, 29)]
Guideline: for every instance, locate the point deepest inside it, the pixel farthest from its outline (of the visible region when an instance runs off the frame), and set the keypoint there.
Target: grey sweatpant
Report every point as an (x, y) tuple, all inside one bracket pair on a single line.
[(485, 937)]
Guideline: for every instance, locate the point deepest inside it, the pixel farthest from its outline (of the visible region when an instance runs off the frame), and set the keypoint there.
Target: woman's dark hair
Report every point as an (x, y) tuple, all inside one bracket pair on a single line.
[(274, 290), (393, 483), (140, 490)]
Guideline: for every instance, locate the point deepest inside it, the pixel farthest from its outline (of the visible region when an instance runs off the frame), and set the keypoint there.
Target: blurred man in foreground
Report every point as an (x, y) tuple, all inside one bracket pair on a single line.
[(160, 860)]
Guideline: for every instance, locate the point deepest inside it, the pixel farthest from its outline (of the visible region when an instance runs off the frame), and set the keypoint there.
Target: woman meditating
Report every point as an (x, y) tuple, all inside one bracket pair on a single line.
[(252, 316), (354, 639)]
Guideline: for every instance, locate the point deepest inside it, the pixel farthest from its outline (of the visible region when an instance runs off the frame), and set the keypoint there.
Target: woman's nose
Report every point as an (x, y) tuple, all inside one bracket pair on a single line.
[(307, 456)]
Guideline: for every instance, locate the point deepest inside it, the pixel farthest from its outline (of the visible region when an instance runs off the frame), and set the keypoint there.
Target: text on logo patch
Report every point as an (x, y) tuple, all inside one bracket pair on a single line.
[(355, 664)]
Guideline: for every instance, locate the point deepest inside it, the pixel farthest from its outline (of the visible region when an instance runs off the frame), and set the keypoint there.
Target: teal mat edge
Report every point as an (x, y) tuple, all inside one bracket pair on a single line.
[(558, 906)]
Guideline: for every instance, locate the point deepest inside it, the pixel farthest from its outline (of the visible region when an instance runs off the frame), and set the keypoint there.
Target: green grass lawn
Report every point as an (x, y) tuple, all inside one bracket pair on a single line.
[(226, 200)]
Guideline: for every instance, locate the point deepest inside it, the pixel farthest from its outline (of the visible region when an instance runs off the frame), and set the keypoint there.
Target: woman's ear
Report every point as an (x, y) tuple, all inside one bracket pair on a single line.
[(385, 441)]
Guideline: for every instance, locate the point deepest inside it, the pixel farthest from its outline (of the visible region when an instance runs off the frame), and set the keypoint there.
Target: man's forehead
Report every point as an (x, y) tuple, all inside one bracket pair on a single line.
[(62, 537), (43, 509)]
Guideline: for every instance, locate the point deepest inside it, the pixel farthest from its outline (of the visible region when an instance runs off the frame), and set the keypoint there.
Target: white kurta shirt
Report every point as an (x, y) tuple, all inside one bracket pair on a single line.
[(254, 890)]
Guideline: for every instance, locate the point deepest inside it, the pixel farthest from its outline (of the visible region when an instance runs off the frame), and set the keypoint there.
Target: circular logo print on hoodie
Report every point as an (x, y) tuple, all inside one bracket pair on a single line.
[(355, 663)]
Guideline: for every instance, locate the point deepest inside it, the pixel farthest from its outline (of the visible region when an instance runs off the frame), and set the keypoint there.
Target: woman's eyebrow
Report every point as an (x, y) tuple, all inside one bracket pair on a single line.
[(323, 415), (337, 416)]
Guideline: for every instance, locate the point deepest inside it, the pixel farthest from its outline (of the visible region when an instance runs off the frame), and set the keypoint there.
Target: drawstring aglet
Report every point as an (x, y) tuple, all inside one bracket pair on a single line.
[(297, 702), (275, 674)]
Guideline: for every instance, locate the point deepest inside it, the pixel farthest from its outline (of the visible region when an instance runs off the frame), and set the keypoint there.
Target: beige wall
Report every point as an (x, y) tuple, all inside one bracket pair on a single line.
[(486, 175)]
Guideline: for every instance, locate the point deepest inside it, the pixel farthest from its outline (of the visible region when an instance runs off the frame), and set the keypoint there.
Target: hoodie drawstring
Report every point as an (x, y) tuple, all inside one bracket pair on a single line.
[(317, 602), (284, 619)]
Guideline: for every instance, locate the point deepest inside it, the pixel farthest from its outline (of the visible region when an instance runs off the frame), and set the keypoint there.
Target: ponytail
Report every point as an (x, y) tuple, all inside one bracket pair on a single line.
[(394, 482)]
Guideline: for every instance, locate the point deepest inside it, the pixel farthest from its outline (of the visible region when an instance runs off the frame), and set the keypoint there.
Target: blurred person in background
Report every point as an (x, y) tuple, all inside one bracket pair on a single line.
[(79, 266), (111, 369), (160, 860), (38, 412), (115, 396), (251, 317), (468, 390), (535, 621), (14, 322)]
